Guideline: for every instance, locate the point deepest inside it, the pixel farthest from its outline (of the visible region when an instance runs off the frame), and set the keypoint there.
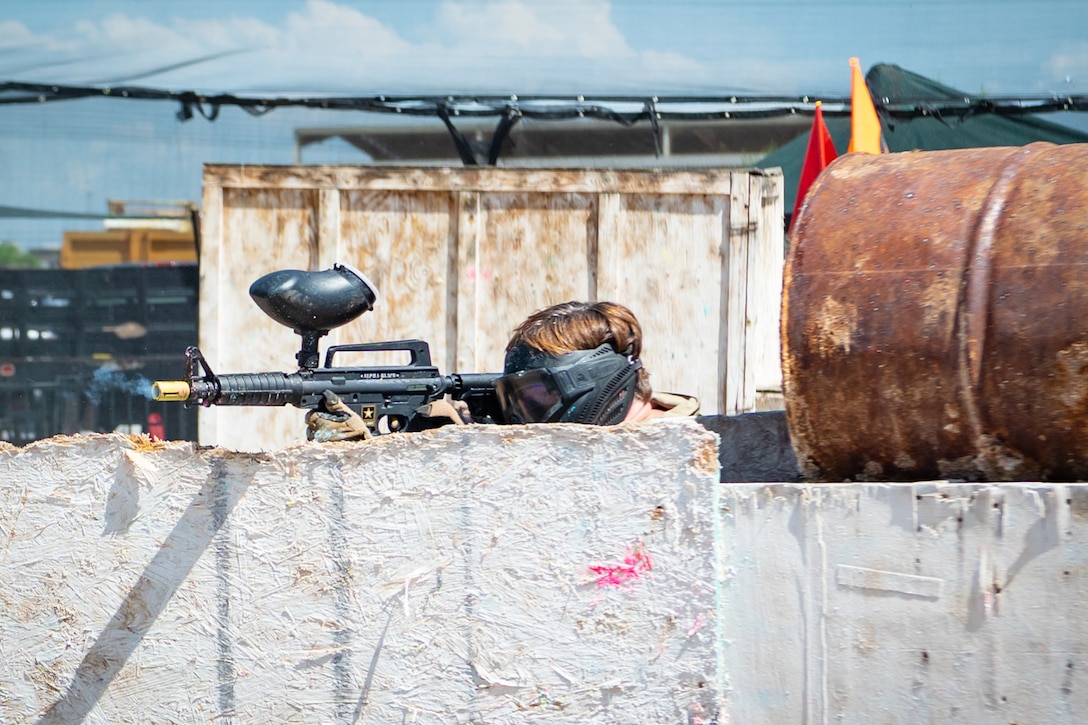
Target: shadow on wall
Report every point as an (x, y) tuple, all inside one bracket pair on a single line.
[(754, 447)]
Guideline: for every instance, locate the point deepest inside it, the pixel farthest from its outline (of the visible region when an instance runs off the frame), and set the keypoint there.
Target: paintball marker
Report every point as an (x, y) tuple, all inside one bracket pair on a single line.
[(387, 398)]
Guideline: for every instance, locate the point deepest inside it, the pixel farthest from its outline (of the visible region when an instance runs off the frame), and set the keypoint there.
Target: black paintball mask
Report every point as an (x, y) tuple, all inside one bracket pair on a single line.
[(595, 387)]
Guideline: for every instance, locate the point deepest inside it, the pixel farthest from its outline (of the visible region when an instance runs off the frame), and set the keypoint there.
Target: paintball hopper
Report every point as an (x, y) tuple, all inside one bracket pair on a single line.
[(312, 303)]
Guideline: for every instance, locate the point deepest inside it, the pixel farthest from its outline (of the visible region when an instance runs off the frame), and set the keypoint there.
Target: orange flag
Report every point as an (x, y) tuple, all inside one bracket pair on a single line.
[(864, 125), (820, 153)]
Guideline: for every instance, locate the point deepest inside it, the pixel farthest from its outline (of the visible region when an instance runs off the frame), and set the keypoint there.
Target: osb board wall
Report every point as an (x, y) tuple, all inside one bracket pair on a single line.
[(557, 574), (460, 256)]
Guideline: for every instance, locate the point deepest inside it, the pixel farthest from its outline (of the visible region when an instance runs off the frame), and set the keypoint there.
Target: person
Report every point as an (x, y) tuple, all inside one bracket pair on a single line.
[(574, 362), (580, 362)]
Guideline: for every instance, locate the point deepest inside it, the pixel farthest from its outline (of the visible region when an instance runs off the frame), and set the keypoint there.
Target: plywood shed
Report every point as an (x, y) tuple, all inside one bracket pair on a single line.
[(461, 255)]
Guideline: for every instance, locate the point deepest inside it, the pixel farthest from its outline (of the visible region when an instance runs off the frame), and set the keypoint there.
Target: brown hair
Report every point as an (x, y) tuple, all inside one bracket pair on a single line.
[(571, 326)]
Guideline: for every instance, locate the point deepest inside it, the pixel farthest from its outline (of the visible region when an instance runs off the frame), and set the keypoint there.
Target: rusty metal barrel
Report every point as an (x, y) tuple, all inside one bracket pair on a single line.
[(935, 317)]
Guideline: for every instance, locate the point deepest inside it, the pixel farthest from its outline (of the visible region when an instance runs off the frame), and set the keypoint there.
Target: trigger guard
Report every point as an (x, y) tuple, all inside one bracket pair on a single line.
[(389, 424)]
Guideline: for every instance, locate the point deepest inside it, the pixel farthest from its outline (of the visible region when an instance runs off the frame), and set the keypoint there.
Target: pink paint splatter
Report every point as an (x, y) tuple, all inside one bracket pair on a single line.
[(616, 576)]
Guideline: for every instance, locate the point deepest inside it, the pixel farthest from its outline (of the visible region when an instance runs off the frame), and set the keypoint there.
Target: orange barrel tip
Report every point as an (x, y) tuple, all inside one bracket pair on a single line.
[(170, 390)]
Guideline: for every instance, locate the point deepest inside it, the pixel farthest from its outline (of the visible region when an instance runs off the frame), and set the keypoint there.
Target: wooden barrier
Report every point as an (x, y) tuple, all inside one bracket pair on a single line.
[(930, 602), (558, 574)]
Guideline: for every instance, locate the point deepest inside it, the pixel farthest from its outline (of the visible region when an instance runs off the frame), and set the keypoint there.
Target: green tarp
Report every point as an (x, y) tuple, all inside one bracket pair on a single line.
[(927, 133)]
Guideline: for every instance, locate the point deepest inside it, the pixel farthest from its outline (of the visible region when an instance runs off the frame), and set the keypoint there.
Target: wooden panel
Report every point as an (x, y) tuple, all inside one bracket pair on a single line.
[(211, 231), (461, 255), (662, 258), (162, 245), (127, 246), (765, 265), (531, 252), (259, 231), (89, 249), (739, 380), (910, 603), (415, 179), (467, 236), (543, 574), (400, 241)]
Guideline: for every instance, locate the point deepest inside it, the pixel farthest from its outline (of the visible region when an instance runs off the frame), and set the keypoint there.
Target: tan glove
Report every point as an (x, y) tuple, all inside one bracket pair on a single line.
[(456, 411), (335, 421)]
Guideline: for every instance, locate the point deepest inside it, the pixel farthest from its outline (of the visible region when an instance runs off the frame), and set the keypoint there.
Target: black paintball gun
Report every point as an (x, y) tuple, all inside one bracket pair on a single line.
[(388, 398)]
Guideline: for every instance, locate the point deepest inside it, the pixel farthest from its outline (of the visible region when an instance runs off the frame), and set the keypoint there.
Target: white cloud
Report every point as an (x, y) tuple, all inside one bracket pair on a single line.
[(227, 33), (465, 46), (326, 28), (583, 29), (473, 46), (15, 35), (522, 46), (1067, 69)]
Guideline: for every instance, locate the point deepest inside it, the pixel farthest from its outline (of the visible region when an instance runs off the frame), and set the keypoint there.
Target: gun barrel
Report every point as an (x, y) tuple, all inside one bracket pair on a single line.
[(238, 389), (170, 390), (473, 383), (298, 389), (376, 393)]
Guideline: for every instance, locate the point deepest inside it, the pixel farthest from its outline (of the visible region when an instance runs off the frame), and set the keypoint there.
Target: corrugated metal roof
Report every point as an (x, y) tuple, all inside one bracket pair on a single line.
[(677, 140)]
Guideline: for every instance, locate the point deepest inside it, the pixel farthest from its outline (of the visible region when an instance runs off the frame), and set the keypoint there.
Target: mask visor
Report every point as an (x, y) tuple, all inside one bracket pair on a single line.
[(529, 397)]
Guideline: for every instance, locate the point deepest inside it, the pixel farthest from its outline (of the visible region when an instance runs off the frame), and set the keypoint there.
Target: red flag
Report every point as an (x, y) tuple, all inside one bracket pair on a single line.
[(820, 153)]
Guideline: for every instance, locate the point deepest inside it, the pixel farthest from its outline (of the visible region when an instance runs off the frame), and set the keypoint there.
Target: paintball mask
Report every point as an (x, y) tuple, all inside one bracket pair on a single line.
[(595, 387)]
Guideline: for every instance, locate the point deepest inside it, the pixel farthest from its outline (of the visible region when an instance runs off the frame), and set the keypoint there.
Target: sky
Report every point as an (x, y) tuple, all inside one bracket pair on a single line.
[(545, 46), (74, 155)]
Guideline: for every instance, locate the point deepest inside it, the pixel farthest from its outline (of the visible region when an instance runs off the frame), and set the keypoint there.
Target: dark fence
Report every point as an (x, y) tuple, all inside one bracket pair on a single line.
[(79, 349)]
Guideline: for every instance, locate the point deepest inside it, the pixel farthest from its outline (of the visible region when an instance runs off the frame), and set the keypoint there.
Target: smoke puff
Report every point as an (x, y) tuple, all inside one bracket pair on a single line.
[(108, 379)]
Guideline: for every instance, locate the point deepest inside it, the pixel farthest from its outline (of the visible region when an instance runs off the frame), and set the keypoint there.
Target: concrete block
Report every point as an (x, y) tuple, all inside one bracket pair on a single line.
[(558, 574)]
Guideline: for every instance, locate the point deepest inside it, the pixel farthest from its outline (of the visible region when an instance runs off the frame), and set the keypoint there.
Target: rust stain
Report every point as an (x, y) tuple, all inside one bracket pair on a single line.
[(833, 328), (1078, 502), (706, 458), (996, 461), (1071, 379)]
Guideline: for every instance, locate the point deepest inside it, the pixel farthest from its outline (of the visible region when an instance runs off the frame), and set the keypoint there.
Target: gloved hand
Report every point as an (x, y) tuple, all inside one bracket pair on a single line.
[(335, 421), (444, 412)]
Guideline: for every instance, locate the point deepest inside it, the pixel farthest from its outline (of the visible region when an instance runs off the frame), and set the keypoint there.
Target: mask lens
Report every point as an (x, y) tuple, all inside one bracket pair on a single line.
[(529, 397)]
